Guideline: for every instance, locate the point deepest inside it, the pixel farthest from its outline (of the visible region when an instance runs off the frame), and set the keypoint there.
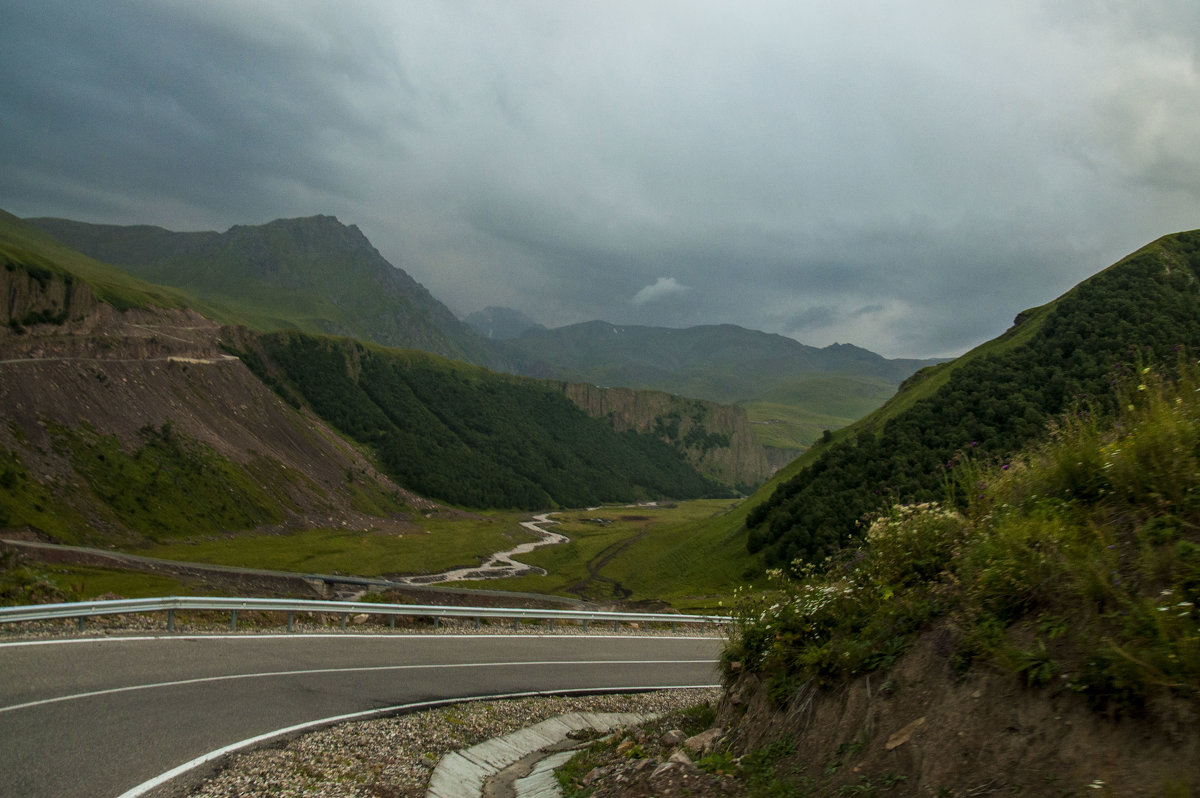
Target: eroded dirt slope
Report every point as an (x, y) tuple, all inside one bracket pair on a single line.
[(921, 730), (110, 373)]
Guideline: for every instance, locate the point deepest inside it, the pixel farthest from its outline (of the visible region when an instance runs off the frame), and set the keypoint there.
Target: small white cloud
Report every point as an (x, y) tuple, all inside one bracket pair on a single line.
[(663, 287)]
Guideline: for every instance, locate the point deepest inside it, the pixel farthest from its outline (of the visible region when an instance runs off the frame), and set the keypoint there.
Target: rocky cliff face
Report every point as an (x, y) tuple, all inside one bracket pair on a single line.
[(32, 295), (716, 439)]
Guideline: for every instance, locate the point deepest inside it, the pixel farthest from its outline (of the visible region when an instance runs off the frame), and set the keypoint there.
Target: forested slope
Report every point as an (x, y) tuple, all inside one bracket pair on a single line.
[(993, 401), (468, 436)]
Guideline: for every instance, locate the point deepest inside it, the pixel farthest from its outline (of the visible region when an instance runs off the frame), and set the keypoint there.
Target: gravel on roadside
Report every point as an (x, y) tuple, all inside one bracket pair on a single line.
[(394, 757)]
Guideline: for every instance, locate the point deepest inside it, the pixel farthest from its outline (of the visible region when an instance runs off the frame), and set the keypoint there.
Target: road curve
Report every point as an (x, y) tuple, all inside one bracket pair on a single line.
[(99, 716)]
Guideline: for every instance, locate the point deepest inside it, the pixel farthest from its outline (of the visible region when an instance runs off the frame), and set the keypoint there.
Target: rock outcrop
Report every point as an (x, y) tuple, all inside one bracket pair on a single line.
[(716, 439)]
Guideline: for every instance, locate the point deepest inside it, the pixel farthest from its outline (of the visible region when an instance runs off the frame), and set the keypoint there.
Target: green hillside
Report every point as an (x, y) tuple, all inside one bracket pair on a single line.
[(795, 412), (1075, 563), (314, 274), (992, 401), (33, 252), (464, 435)]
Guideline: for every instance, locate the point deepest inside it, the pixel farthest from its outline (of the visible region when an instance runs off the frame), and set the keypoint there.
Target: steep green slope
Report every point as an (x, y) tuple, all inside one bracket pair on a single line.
[(28, 250), (468, 436), (1077, 560), (313, 274), (990, 402)]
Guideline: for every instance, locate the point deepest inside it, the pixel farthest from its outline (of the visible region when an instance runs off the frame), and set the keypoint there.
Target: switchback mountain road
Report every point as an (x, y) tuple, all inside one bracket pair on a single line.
[(101, 716)]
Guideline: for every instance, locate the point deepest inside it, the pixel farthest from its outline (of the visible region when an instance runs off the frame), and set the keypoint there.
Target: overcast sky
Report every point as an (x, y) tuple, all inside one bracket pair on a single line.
[(905, 175)]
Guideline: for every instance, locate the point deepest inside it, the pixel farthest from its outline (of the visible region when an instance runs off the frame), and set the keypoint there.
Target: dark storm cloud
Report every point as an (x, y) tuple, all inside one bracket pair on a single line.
[(906, 177)]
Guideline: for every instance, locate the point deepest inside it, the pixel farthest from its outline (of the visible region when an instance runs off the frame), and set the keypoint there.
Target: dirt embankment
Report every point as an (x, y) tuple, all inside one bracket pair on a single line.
[(119, 373), (920, 730)]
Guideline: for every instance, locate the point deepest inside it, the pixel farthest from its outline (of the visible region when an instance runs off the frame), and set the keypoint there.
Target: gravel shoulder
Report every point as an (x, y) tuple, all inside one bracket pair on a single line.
[(394, 757)]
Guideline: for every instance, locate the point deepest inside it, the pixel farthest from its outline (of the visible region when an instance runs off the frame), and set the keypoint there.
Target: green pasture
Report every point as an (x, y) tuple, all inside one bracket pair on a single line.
[(434, 545), (86, 582)]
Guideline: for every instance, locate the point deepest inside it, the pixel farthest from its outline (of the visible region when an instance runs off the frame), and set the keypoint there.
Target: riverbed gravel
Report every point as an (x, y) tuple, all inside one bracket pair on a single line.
[(394, 757)]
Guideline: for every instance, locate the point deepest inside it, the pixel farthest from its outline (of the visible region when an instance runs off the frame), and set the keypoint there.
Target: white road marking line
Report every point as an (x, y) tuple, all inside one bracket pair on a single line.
[(146, 786), (364, 669)]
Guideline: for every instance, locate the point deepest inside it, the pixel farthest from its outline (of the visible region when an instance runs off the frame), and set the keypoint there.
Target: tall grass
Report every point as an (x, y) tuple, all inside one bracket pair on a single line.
[(1077, 562)]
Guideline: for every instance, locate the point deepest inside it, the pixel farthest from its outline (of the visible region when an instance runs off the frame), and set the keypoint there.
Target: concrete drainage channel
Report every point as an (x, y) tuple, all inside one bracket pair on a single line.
[(521, 764)]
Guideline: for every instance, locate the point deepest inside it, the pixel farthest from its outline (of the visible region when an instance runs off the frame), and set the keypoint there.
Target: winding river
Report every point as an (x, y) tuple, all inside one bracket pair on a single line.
[(499, 565)]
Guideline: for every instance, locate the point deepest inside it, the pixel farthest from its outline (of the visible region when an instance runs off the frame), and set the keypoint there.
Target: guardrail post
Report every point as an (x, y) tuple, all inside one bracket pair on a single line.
[(551, 624), (437, 622), (616, 627), (516, 622), (79, 623), (674, 627), (344, 616), (585, 623), (291, 618), (477, 622), (171, 620), (392, 621), (233, 620)]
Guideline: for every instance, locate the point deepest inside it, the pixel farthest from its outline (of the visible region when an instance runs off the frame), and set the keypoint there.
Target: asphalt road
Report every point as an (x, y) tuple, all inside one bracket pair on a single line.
[(100, 716)]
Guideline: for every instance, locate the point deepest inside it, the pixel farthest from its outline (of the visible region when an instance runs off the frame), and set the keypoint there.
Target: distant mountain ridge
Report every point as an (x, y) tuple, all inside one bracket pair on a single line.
[(313, 274), (320, 276), (722, 363)]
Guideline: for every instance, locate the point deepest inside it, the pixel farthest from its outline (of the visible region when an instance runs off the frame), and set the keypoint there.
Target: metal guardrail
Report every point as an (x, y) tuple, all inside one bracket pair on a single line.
[(169, 604)]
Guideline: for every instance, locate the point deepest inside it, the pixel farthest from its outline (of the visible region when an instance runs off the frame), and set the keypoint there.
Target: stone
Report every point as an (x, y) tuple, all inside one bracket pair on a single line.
[(673, 737), (901, 737), (680, 757), (704, 742), (664, 768)]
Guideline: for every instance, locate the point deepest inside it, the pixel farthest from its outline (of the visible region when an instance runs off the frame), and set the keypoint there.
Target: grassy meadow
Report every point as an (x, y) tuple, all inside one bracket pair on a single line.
[(437, 545), (684, 555), (678, 553)]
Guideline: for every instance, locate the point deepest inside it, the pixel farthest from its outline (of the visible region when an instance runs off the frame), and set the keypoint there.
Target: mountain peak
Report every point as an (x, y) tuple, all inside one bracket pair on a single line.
[(311, 273), (501, 324)]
